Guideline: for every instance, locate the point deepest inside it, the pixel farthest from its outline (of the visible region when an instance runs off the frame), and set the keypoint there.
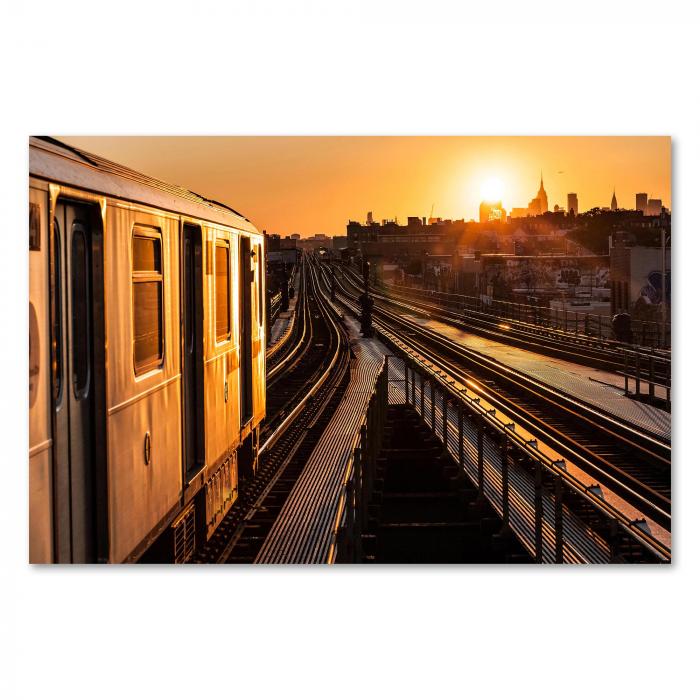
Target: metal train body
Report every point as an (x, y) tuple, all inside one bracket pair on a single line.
[(147, 360)]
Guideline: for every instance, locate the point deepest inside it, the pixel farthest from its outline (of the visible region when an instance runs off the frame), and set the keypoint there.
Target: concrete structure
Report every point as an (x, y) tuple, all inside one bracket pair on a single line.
[(636, 279), (613, 202), (572, 203)]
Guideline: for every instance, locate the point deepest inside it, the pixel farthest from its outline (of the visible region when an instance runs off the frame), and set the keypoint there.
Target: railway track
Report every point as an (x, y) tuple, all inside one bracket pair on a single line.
[(582, 348), (286, 349), (302, 396), (632, 464)]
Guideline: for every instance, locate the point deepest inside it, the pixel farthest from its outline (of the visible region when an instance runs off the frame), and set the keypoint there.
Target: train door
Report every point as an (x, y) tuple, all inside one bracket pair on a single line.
[(245, 276), (193, 350), (77, 324)]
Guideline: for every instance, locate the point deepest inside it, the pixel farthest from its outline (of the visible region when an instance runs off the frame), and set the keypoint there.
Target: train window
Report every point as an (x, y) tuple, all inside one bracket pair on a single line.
[(223, 291), (80, 306), (147, 285)]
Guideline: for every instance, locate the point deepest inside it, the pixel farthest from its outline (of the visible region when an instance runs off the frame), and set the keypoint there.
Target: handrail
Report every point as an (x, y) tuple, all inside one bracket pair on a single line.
[(554, 467)]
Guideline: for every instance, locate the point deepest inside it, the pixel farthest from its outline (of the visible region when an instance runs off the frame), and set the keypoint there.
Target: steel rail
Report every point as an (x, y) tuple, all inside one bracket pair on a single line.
[(580, 348), (334, 325)]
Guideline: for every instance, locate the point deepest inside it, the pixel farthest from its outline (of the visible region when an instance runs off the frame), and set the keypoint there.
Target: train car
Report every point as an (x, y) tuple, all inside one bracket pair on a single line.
[(147, 360)]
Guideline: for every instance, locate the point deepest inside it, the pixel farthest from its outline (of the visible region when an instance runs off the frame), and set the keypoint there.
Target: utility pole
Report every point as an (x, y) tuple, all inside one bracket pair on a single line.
[(366, 304)]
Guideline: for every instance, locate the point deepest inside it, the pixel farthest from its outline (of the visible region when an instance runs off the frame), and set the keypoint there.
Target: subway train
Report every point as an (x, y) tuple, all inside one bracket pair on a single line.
[(147, 337)]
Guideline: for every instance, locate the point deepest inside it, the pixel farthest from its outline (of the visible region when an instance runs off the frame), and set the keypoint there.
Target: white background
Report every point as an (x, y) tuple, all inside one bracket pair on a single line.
[(348, 68)]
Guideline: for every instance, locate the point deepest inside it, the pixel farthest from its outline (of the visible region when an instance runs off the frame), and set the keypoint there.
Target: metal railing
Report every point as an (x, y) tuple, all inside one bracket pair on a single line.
[(612, 524)]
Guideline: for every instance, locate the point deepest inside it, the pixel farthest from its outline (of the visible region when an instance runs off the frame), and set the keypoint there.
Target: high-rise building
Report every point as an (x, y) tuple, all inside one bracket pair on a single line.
[(641, 202), (613, 201), (542, 196), (653, 207), (572, 203), (491, 211)]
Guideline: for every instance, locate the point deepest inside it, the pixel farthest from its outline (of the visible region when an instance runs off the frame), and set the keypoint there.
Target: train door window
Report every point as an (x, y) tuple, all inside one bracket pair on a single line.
[(261, 262), (223, 291), (193, 347), (147, 286), (56, 315), (80, 317), (245, 301)]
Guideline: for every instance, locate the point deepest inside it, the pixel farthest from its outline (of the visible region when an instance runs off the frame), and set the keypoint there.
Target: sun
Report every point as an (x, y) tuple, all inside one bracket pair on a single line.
[(492, 189)]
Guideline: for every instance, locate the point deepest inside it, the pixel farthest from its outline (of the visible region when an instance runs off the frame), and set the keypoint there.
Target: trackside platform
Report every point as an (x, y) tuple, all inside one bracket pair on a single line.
[(283, 324)]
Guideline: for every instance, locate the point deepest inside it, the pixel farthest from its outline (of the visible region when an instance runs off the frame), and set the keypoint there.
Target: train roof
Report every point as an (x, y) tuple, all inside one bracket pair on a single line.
[(56, 161)]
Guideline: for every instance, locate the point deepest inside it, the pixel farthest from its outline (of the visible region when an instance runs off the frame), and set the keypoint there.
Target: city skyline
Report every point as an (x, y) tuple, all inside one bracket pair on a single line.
[(315, 185)]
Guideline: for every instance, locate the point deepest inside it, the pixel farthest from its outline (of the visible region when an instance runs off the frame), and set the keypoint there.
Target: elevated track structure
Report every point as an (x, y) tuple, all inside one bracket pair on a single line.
[(610, 467)]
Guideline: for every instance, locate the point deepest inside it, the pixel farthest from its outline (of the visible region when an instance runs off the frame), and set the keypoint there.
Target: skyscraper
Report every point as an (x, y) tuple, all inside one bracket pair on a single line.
[(641, 202), (572, 203), (539, 204), (613, 203), (542, 196), (491, 211)]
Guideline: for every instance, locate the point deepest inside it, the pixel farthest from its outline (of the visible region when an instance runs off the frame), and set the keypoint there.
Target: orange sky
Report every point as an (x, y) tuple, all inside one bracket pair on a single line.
[(310, 184)]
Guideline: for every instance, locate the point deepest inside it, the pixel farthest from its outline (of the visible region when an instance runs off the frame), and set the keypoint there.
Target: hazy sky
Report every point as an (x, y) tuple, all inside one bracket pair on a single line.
[(315, 184)]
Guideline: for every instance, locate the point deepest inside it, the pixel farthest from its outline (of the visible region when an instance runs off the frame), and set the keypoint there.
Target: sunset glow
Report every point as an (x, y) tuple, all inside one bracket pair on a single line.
[(492, 189), (315, 184)]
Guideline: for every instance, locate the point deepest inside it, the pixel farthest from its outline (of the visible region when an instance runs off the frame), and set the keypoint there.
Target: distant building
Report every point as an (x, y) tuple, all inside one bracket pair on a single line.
[(541, 196), (539, 204), (534, 208), (636, 278), (370, 220), (654, 207), (613, 202), (295, 236), (289, 243), (391, 239), (641, 201), (572, 203), (518, 212), (490, 211)]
